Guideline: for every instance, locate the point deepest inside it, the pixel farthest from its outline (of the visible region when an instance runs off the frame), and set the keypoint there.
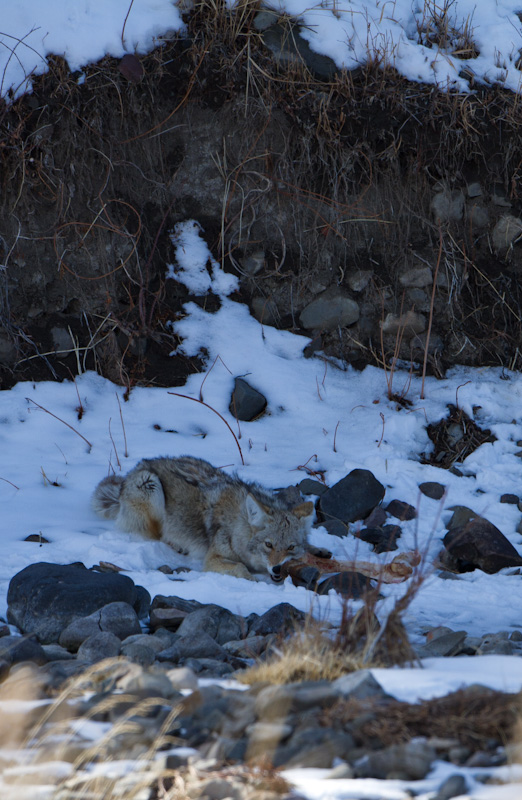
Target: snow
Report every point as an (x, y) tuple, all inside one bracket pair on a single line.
[(400, 33), (58, 440)]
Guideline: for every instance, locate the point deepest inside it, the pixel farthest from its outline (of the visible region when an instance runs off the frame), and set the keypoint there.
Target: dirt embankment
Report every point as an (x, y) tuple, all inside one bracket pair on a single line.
[(390, 199)]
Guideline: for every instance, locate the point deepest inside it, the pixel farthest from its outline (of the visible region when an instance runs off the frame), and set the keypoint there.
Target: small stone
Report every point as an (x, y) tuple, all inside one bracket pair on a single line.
[(453, 786), (246, 403), (358, 281), (331, 310), (170, 618), (432, 489), (183, 678), (444, 645), (516, 636), (417, 277), (265, 310), (511, 499), (409, 323), (401, 510), (448, 205), (474, 189), (478, 216), (505, 232), (98, 646), (360, 685)]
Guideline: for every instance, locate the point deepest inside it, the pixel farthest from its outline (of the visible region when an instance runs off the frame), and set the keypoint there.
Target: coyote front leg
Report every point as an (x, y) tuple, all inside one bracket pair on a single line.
[(215, 562)]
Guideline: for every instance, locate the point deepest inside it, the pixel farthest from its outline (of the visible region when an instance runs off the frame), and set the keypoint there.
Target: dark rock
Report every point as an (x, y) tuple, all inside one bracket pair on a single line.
[(432, 489), (309, 486), (479, 544), (281, 619), (36, 537), (99, 646), (461, 516), (44, 598), (314, 747), (353, 497), (117, 618), (334, 527), (376, 518), (401, 510), (169, 618), (382, 539), (215, 621), (4, 630), (15, 649), (246, 402), (349, 584), (409, 761), (512, 499), (194, 644)]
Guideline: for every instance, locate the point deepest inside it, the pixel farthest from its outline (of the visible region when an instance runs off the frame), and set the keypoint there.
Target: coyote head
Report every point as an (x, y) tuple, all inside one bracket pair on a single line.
[(278, 535)]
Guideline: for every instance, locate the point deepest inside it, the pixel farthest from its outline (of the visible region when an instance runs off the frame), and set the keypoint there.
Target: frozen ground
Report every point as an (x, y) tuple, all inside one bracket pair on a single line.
[(48, 472), (430, 41)]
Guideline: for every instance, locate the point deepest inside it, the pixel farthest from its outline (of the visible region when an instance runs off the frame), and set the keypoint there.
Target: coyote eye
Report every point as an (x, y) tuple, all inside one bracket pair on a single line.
[(290, 547), (268, 544)]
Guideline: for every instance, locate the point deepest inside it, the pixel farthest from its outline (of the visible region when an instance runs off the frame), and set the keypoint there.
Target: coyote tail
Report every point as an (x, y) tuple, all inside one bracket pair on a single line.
[(106, 498)]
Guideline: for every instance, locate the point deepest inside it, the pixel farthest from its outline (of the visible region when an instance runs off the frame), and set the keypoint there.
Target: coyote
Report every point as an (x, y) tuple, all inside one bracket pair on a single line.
[(237, 528)]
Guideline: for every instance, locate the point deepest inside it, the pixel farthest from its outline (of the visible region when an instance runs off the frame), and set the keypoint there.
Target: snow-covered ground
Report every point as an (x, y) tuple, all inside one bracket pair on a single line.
[(430, 41), (319, 416)]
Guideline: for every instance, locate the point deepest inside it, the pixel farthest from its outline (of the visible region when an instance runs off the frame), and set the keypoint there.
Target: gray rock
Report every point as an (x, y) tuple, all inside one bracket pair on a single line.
[(359, 280), (507, 229), (251, 647), (44, 598), (448, 205), (99, 646), (448, 643), (8, 352), (139, 653), (281, 619), (182, 678), (453, 786), (265, 310), (246, 402), (478, 216), (330, 310), (353, 497), (409, 761), (15, 649), (117, 618), (314, 747), (195, 644), (276, 702), (417, 277), (474, 189), (360, 685), (217, 622), (409, 324)]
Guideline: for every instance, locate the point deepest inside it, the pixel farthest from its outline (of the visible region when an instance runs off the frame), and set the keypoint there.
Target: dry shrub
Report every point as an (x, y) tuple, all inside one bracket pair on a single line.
[(360, 642), (476, 716)]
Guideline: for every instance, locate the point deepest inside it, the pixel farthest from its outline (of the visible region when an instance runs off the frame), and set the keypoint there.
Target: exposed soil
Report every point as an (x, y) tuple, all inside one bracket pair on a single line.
[(325, 178)]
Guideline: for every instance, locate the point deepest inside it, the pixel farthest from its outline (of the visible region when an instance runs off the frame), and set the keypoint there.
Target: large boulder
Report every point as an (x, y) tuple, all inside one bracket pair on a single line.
[(44, 598)]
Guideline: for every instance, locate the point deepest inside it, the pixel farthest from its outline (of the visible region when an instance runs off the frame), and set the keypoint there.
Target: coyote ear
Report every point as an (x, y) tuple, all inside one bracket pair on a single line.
[(255, 511), (303, 509)]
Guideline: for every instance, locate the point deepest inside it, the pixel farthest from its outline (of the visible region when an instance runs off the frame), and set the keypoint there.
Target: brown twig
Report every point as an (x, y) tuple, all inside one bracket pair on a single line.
[(197, 400), (29, 399)]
